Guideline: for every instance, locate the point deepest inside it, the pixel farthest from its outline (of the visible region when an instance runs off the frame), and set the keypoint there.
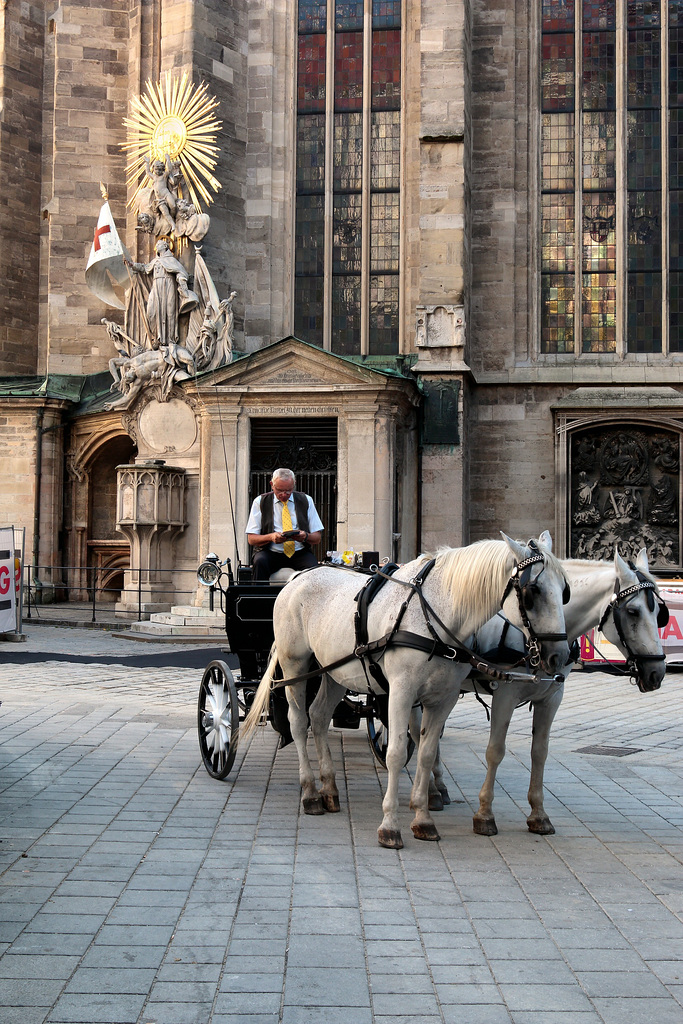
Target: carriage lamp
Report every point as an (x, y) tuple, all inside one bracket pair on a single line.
[(209, 571)]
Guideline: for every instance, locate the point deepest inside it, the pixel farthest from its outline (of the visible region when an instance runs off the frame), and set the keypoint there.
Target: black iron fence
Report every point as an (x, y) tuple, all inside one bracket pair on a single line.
[(44, 585)]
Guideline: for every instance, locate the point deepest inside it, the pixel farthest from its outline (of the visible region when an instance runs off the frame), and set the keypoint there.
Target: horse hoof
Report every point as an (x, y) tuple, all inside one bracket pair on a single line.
[(541, 827), (426, 831), (331, 802), (444, 795), (313, 805), (390, 838), (484, 827), (435, 802)]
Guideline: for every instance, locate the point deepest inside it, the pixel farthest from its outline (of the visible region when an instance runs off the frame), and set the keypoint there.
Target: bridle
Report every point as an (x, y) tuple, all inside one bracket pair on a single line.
[(520, 581), (616, 605)]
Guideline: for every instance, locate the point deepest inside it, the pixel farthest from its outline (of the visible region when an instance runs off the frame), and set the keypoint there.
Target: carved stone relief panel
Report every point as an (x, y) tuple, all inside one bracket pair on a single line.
[(625, 491)]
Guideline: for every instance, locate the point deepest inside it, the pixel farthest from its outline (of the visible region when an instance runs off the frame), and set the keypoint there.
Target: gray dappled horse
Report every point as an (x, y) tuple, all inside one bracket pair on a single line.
[(624, 602), (451, 595)]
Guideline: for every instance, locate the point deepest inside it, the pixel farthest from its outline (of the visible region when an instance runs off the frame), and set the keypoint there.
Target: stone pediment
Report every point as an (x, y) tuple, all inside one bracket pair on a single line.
[(295, 365)]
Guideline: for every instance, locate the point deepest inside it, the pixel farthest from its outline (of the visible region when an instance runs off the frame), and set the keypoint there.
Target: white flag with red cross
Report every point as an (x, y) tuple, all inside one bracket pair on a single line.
[(105, 267)]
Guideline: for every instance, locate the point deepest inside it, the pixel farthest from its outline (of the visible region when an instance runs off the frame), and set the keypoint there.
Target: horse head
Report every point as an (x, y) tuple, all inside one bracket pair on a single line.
[(534, 600), (632, 618)]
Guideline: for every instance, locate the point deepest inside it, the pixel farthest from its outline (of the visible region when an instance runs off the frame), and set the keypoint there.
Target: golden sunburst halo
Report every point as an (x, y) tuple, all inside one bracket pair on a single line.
[(174, 117)]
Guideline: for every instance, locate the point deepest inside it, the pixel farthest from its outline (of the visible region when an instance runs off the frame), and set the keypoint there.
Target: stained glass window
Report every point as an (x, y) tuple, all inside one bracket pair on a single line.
[(348, 14), (599, 150), (599, 312), (558, 232), (386, 70), (310, 153), (348, 71), (312, 15), (386, 149), (345, 315), (557, 296), (311, 77), (558, 15), (599, 71), (644, 231), (557, 71), (337, 277), (383, 314), (386, 13), (644, 312), (348, 152), (557, 142), (643, 79), (599, 14), (643, 14)]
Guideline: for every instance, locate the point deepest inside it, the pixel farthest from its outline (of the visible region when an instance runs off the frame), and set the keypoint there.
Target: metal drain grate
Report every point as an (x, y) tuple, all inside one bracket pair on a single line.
[(609, 751)]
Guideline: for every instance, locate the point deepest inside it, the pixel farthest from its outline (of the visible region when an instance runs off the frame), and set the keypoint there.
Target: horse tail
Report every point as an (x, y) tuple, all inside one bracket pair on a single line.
[(261, 698)]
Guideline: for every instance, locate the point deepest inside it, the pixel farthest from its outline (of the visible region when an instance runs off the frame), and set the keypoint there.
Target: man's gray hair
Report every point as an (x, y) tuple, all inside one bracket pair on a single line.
[(283, 474)]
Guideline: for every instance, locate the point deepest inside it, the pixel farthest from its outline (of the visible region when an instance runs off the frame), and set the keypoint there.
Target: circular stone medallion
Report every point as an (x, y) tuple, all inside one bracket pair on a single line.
[(168, 426)]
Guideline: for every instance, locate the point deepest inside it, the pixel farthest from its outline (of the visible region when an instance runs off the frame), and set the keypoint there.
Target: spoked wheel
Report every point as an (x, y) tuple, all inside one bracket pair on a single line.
[(217, 719), (378, 738)]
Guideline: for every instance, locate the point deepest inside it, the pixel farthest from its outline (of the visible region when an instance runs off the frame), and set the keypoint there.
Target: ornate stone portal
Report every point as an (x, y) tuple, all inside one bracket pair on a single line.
[(625, 491)]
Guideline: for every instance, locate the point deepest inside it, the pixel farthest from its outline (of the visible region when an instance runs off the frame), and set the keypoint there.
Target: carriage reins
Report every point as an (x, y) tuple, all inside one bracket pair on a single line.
[(433, 646), (620, 597)]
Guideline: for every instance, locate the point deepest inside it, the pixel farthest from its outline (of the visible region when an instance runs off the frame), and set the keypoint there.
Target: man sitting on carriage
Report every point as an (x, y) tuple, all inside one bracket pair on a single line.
[(283, 525)]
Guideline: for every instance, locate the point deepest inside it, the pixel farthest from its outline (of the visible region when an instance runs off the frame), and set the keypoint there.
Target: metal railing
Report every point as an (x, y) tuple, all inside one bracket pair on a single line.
[(37, 579)]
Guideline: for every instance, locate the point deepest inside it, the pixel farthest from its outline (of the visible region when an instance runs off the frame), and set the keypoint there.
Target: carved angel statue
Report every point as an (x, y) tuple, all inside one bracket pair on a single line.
[(164, 364)]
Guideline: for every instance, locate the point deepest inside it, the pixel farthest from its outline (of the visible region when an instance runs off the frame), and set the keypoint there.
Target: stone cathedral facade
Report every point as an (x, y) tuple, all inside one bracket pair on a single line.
[(452, 230)]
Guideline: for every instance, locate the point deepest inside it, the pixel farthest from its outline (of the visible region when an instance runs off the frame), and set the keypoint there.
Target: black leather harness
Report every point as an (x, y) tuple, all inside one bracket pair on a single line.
[(432, 645)]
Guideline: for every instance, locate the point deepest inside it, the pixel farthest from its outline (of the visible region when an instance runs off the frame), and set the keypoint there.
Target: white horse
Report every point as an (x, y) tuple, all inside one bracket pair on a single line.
[(451, 595), (619, 598)]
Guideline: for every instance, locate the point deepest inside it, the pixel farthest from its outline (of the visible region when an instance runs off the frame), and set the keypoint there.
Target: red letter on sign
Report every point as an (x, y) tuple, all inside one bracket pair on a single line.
[(4, 579)]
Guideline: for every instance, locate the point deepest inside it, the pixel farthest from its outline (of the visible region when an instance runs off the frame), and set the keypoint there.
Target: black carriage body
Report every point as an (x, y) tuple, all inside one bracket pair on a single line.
[(223, 700), (249, 626)]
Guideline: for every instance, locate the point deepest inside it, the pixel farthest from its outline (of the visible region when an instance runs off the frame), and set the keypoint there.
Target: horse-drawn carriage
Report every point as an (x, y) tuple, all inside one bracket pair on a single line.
[(408, 654), (225, 696)]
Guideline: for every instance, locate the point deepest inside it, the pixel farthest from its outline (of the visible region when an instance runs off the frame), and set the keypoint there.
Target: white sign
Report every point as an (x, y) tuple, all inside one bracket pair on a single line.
[(8, 608)]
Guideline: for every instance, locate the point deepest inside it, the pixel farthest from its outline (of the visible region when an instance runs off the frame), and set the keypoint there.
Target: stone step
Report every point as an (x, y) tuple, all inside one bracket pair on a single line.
[(178, 629), (191, 612)]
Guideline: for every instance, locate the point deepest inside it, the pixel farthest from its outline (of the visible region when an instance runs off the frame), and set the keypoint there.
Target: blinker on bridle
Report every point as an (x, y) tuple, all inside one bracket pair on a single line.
[(524, 586), (621, 597)]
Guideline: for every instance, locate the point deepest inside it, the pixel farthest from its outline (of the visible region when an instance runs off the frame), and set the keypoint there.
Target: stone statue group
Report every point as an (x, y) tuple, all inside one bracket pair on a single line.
[(173, 329)]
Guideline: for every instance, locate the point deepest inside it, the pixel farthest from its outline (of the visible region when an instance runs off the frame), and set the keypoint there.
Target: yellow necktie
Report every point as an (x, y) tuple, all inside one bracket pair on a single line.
[(288, 546)]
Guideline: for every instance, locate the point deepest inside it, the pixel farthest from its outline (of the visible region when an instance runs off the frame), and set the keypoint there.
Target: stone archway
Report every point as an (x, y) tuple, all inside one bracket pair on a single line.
[(96, 552)]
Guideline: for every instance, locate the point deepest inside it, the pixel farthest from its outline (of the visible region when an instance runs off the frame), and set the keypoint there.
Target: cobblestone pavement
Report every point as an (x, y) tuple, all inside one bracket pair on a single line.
[(134, 888)]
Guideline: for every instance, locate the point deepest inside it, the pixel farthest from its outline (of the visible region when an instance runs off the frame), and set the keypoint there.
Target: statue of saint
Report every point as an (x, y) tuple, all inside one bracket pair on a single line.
[(586, 509), (163, 197), (663, 506), (169, 295)]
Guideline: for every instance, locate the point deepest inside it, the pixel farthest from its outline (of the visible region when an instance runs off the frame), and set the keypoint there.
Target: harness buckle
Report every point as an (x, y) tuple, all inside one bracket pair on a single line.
[(452, 656), (360, 650)]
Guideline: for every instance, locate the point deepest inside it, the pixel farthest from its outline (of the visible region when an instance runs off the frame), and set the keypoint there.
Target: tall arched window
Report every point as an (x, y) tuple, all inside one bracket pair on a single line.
[(348, 175), (612, 176)]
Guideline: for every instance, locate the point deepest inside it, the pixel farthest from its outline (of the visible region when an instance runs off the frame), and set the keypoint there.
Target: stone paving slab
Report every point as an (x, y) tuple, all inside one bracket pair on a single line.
[(134, 888)]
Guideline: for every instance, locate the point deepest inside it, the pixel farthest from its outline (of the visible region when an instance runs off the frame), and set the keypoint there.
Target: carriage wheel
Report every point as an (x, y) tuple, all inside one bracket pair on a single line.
[(217, 719), (378, 738)]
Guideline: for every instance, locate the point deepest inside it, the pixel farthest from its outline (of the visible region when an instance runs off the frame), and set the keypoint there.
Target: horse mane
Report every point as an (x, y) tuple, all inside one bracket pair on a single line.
[(476, 577), (586, 564)]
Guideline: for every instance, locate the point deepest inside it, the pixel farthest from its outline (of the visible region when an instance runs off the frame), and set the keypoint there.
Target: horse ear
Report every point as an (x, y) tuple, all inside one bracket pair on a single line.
[(546, 541), (620, 565), (641, 561), (517, 549)]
